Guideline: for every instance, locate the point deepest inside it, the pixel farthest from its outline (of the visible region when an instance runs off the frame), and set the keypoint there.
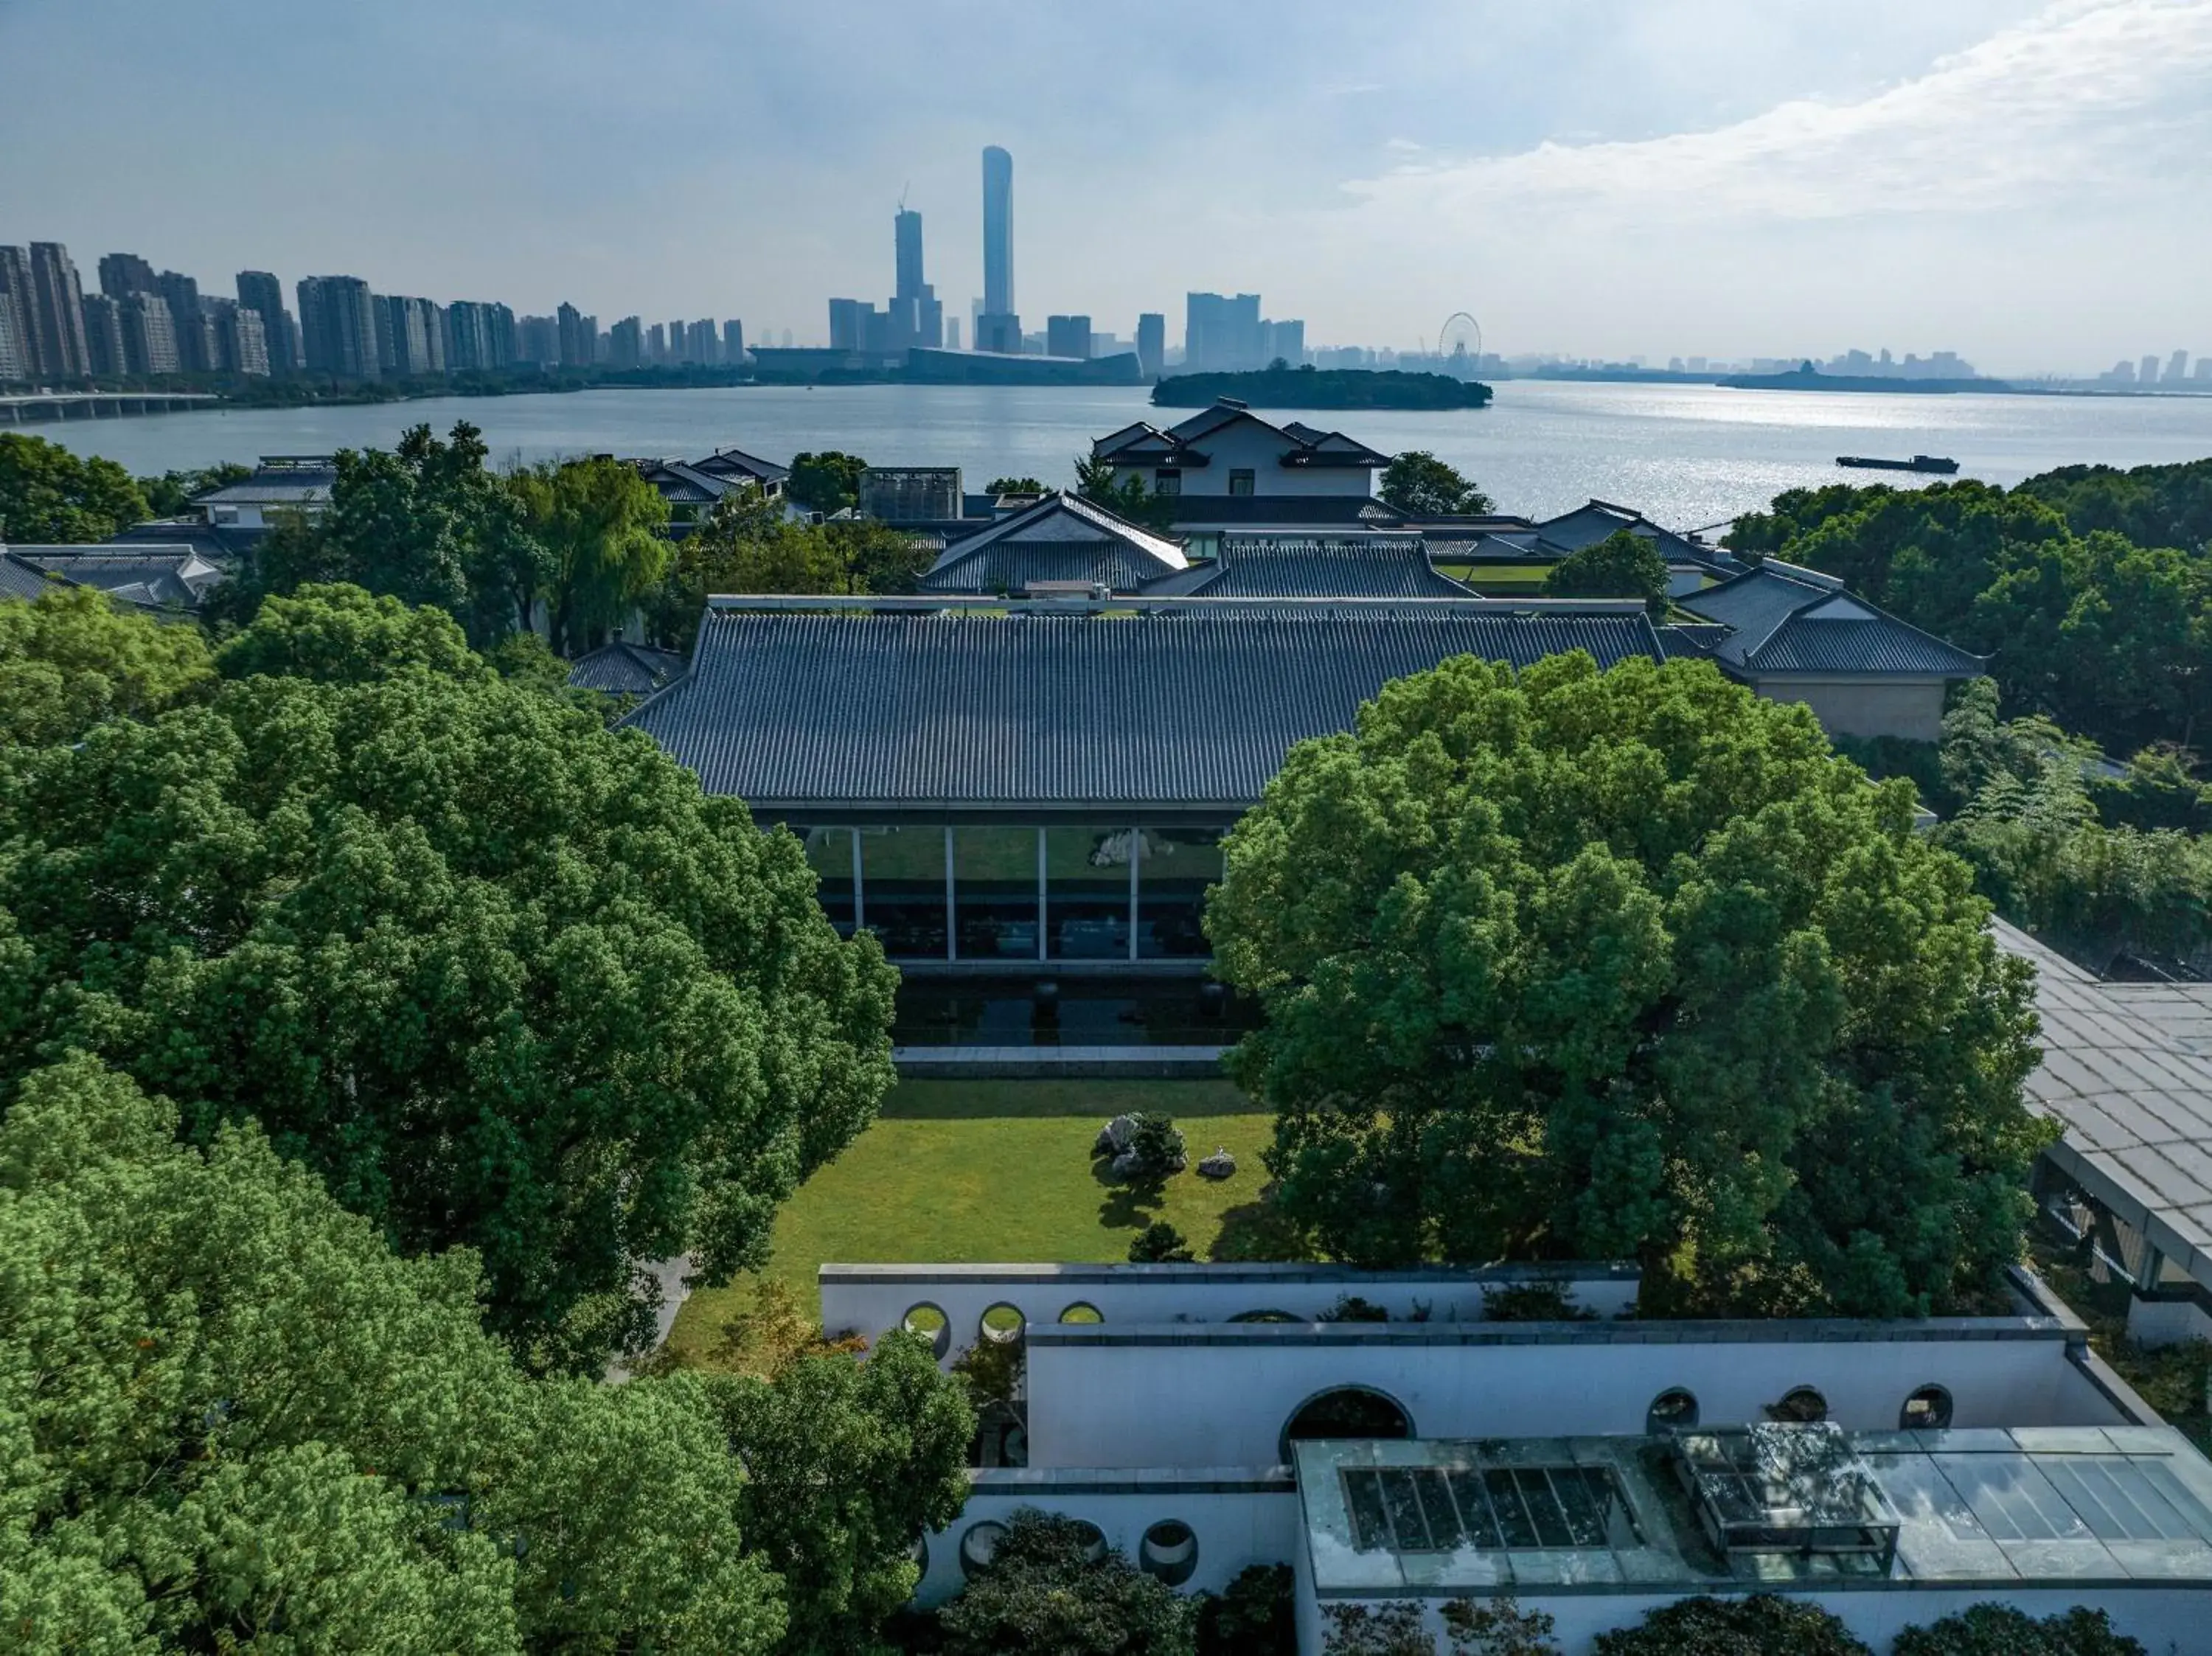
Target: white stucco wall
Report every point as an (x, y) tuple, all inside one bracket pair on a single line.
[(1244, 445), (870, 1299), (1239, 1517), (1100, 1396), (1912, 708)]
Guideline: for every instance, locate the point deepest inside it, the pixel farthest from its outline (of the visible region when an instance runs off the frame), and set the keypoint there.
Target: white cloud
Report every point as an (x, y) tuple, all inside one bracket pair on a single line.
[(2085, 99)]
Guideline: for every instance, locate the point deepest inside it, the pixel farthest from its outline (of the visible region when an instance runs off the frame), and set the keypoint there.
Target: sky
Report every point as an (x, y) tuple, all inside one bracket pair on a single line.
[(2029, 183)]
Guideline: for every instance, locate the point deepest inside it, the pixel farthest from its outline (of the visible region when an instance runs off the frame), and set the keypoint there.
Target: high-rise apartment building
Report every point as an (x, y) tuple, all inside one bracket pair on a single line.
[(2146, 372), (57, 312), (951, 333), (103, 336), (337, 326), (733, 343), (22, 315), (149, 338), (999, 327), (2177, 368), (626, 343), (242, 337), (1067, 335), (13, 364), (260, 292), (1284, 341), (1222, 334), (537, 339), (122, 275), (848, 324), (1152, 344), (579, 339), (410, 336), (197, 349), (479, 336), (702, 343)]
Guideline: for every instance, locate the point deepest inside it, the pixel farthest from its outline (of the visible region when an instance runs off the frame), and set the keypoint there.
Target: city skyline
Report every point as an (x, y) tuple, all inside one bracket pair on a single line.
[(1764, 177)]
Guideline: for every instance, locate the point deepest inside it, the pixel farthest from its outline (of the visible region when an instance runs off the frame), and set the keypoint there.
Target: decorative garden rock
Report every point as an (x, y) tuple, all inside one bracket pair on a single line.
[(1219, 1164), (1114, 1137)]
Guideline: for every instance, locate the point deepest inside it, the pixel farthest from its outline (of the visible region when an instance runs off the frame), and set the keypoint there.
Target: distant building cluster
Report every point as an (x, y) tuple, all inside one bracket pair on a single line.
[(2149, 372), (144, 322)]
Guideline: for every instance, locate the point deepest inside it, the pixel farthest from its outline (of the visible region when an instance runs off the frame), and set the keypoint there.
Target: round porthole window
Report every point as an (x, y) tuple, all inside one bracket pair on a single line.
[(1348, 1411), (1002, 1325), (1168, 1551), (931, 1325), (1081, 1311), (979, 1546), (1801, 1406), (1673, 1410), (1093, 1538), (1928, 1410)]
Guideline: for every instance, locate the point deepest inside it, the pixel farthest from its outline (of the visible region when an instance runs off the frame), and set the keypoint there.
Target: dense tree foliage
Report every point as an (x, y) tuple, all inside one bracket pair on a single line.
[(827, 481), (340, 634), (1572, 964), (75, 657), (172, 494), (503, 977), (230, 1419), (1765, 1624), (846, 1463), (600, 525), (1126, 497), (2001, 1630), (1418, 482), (2151, 505), (1255, 1614), (1043, 1594), (1014, 486), (1624, 565), (2110, 637), (750, 544), (48, 496)]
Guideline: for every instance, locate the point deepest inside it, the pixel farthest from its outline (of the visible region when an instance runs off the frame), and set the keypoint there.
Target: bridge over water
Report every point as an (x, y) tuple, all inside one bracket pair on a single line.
[(29, 407)]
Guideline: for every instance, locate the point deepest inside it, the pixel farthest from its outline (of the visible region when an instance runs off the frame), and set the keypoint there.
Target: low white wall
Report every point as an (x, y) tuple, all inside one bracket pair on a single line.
[(1169, 1397), (2167, 1322), (870, 1299), (2165, 1617), (1240, 1516)]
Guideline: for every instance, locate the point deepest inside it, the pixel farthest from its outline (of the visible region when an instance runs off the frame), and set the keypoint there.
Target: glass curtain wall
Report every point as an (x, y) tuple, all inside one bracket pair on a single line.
[(902, 891), (994, 892), (830, 854), (1175, 869), (1088, 892)]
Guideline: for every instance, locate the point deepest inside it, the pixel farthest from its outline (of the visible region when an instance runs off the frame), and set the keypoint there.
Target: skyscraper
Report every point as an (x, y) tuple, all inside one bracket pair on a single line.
[(915, 316), (196, 346), (122, 275), (906, 236), (57, 311), (1067, 335), (12, 364), (410, 336), (1222, 334), (576, 346), (243, 336), (149, 341), (1152, 344), (337, 326), (999, 327), (15, 293), (260, 292), (103, 335), (733, 343), (2177, 368), (2146, 372)]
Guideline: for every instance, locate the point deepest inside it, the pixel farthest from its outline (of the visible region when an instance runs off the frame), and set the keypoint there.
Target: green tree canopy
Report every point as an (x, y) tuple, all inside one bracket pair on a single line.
[(1765, 1624), (1417, 481), (505, 978), (1102, 484), (1995, 1629), (600, 523), (2151, 505), (231, 1419), (1624, 565), (827, 481), (50, 496), (1570, 964), (846, 1465), (342, 635), (425, 523), (75, 657), (172, 494), (1014, 486), (1043, 1592)]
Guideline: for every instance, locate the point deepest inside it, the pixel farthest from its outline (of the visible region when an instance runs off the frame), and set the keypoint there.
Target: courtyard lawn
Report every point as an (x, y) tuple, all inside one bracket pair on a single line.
[(969, 1172)]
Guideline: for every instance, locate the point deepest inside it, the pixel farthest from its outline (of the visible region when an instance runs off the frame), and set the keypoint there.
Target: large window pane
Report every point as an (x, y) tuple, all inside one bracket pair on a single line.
[(903, 890), (1086, 903), (1172, 875), (830, 854), (994, 892)]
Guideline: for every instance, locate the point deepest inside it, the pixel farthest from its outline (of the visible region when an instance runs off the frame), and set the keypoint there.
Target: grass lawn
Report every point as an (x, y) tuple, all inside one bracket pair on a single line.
[(972, 1172)]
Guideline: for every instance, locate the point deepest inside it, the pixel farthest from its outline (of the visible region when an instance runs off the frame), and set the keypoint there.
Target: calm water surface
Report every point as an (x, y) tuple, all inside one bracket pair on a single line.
[(1687, 455)]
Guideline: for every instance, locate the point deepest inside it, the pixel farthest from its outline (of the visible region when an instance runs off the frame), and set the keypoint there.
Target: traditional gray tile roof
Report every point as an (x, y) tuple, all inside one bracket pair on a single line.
[(1182, 704), (1062, 537), (152, 575), (680, 484), (2135, 1099), (279, 479), (20, 579), (1381, 565), (1787, 620), (735, 463), (621, 669), (1142, 444)]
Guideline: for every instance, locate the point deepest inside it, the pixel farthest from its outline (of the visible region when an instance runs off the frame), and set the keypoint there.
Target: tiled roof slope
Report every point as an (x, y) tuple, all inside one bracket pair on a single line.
[(622, 669), (2136, 1101), (1315, 566), (794, 710), (1786, 620), (153, 575)]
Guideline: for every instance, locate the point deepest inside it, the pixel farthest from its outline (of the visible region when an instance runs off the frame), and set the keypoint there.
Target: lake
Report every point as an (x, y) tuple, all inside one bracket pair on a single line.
[(1687, 456)]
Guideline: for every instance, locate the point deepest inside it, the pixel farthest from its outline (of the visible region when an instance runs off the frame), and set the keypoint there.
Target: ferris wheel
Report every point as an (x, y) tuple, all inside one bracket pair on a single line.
[(1459, 345)]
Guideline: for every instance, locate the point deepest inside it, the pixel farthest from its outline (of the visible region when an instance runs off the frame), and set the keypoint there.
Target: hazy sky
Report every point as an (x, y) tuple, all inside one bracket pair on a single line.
[(2030, 183)]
